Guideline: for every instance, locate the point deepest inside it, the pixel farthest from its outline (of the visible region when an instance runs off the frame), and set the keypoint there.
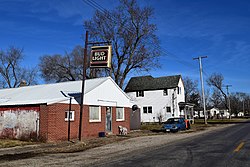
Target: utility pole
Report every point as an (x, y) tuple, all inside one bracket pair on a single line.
[(202, 87), (70, 99), (228, 99), (83, 84), (84, 77)]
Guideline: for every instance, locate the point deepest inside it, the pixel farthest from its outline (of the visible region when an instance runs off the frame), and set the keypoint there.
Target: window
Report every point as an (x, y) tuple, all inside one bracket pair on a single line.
[(69, 115), (120, 114), (168, 109), (179, 90), (94, 114), (165, 92), (148, 110), (140, 93)]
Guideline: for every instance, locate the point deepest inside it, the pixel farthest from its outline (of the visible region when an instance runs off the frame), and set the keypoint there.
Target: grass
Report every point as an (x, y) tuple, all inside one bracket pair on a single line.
[(220, 121), (151, 126), (5, 143), (146, 130)]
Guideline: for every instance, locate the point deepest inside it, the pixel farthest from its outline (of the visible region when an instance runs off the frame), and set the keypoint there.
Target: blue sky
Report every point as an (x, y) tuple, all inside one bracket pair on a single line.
[(218, 29)]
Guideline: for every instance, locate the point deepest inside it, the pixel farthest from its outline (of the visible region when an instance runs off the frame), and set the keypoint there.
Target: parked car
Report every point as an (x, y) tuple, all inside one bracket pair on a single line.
[(175, 124)]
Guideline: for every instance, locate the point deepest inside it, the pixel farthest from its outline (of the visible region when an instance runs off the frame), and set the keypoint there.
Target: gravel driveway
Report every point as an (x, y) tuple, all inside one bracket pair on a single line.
[(100, 155)]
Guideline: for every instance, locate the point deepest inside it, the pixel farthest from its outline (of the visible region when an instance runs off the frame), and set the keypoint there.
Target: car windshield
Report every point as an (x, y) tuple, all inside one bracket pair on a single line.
[(172, 121)]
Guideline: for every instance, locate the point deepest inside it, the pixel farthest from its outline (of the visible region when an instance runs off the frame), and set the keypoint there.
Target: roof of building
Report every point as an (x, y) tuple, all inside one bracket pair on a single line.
[(151, 83), (47, 93)]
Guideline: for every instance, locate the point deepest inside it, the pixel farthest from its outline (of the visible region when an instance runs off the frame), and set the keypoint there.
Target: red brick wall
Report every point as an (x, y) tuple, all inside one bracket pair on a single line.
[(43, 123), (93, 128), (53, 127), (56, 128), (125, 123)]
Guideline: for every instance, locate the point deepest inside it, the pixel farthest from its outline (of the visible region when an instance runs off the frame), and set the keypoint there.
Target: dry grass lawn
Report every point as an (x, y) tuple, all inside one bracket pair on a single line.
[(5, 143)]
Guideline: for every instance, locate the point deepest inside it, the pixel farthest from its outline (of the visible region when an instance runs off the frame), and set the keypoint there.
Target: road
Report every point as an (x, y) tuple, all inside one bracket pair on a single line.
[(229, 147)]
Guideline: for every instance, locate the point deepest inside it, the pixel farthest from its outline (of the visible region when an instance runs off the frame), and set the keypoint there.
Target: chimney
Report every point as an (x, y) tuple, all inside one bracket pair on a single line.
[(23, 83)]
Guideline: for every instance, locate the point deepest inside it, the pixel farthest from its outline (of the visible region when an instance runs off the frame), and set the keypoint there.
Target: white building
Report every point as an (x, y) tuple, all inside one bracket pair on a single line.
[(45, 111), (158, 98)]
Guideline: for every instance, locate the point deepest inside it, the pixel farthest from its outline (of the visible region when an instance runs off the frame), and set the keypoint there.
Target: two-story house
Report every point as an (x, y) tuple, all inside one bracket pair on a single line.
[(158, 97)]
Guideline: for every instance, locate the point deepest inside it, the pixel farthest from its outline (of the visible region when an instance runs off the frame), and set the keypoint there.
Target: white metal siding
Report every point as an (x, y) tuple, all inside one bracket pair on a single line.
[(159, 103), (107, 94)]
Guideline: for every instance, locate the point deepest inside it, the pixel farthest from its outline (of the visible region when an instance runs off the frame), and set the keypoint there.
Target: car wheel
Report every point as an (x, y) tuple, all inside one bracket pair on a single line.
[(175, 131)]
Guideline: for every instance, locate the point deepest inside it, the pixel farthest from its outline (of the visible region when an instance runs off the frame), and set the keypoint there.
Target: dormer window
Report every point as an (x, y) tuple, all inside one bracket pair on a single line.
[(140, 93)]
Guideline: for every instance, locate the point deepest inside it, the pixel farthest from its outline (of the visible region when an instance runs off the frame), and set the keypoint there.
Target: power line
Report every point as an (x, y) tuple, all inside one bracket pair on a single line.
[(98, 7)]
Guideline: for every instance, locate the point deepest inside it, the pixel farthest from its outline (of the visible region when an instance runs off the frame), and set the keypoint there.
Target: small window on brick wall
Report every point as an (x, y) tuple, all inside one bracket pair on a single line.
[(69, 115), (94, 114), (120, 114)]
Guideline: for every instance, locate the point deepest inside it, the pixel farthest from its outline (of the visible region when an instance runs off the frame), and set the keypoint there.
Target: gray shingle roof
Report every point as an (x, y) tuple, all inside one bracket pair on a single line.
[(150, 83)]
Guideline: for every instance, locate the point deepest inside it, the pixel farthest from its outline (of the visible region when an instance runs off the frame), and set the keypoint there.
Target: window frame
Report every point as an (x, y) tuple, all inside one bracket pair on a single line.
[(72, 118), (140, 93), (123, 114), (99, 114), (178, 90), (150, 108), (168, 111), (147, 109), (165, 92)]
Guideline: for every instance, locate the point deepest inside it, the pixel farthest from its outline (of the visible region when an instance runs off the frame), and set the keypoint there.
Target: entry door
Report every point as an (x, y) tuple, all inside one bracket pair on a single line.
[(108, 119)]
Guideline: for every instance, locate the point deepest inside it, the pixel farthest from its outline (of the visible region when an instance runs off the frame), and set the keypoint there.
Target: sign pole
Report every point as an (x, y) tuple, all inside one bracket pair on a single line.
[(83, 84), (69, 118)]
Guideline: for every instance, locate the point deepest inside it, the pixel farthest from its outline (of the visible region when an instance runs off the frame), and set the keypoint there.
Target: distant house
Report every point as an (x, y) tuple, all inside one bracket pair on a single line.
[(158, 98), (43, 111), (213, 113), (239, 114)]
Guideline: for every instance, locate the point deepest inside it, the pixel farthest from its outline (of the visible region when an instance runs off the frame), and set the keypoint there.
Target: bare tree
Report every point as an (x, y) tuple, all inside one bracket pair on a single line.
[(59, 68), (160, 117), (216, 98), (216, 80), (11, 72), (135, 45), (191, 87)]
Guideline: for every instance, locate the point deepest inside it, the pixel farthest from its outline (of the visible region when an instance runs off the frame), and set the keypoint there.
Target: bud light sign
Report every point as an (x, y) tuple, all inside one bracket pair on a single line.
[(100, 56)]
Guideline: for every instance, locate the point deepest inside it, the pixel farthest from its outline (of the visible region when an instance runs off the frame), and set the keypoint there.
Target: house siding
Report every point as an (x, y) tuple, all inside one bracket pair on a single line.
[(56, 128), (19, 122), (159, 102)]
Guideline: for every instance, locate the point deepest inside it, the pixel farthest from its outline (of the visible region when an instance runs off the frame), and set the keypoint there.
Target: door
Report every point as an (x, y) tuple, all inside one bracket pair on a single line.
[(108, 119)]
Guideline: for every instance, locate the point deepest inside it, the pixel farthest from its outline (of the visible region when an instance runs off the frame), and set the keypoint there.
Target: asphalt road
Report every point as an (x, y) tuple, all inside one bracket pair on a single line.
[(229, 147)]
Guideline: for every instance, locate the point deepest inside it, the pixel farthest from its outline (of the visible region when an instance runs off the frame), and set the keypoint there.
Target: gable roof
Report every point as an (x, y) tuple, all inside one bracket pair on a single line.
[(47, 93), (150, 83)]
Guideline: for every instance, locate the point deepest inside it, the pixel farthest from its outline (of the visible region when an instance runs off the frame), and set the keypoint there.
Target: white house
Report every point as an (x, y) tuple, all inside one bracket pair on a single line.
[(213, 113), (158, 97)]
